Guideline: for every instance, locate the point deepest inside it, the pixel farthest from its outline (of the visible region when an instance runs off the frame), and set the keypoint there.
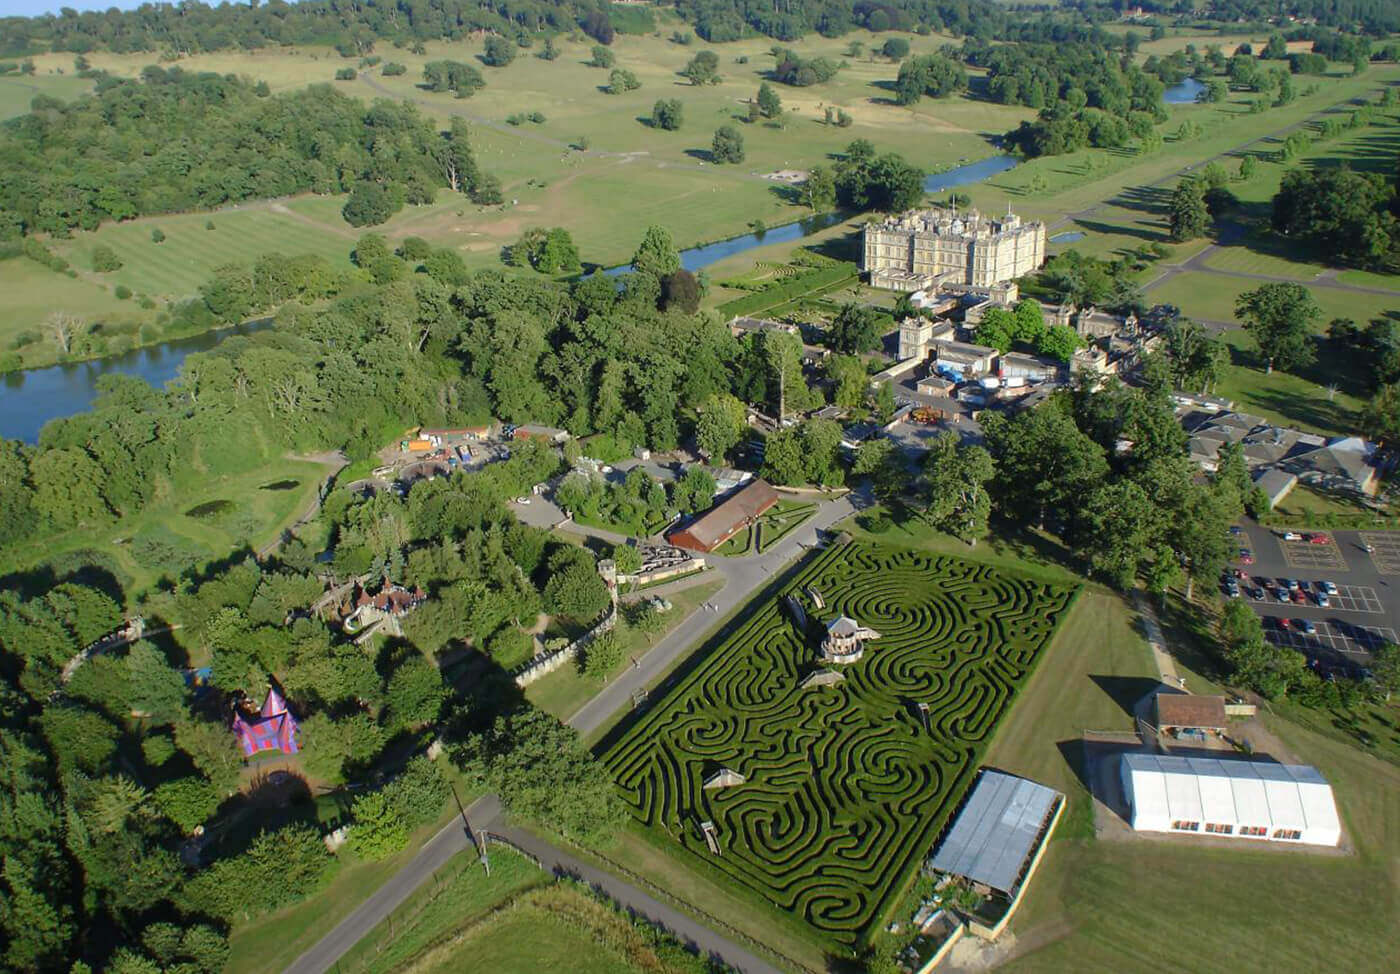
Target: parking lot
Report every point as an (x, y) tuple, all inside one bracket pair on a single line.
[(1364, 612)]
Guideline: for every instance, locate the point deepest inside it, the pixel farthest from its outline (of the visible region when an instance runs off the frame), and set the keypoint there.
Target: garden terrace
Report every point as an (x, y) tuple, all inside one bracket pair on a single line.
[(845, 787)]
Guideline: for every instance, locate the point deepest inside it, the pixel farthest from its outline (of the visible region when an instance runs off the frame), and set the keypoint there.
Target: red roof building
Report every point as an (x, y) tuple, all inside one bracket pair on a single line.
[(727, 518)]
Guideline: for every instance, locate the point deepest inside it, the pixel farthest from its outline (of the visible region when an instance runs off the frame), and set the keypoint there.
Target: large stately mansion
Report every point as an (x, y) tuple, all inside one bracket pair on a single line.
[(927, 248)]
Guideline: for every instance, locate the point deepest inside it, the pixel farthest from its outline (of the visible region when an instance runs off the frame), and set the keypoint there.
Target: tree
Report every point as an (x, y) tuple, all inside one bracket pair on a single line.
[(1385, 668), (550, 51), (720, 426), (62, 328), (1380, 416), (933, 75), (370, 204), (575, 589), (882, 463), (1188, 214), (680, 290), (856, 329), (1030, 321), (414, 693), (728, 145), (1120, 524), (997, 329), (105, 259), (461, 79), (819, 189), (498, 51), (849, 380), (1060, 342), (158, 235), (621, 80), (656, 254), (378, 829), (953, 487), (1279, 317), (666, 114), (627, 558), (544, 774), (895, 48), (602, 654), (188, 802), (702, 69), (769, 104), (602, 57)]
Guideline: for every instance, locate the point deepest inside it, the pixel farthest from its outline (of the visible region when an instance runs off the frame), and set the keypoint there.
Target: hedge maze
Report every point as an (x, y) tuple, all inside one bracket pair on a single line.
[(845, 789)]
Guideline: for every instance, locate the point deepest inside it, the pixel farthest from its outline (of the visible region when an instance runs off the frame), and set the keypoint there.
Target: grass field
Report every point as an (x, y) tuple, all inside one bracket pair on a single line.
[(190, 528), (459, 895), (555, 928), (18, 91), (845, 786)]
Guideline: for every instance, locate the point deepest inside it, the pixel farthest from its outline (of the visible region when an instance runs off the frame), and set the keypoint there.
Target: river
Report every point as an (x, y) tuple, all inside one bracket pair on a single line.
[(30, 399)]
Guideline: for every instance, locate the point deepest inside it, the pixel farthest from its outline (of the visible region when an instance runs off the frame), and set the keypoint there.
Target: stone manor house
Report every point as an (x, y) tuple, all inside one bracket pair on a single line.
[(926, 249)]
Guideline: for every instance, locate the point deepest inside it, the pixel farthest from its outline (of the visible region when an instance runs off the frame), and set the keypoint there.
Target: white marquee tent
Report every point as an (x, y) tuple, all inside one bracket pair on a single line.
[(1243, 799)]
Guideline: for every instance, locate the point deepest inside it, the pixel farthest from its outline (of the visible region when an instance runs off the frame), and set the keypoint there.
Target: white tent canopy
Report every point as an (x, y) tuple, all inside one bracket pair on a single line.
[(1247, 799)]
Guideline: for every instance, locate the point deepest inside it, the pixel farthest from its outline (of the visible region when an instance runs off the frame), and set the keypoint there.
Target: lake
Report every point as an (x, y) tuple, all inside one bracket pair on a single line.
[(1069, 236), (1183, 93), (30, 399)]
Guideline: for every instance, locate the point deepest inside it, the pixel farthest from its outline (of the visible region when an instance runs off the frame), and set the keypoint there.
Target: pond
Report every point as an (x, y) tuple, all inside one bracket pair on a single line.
[(1184, 92), (30, 399), (1069, 236)]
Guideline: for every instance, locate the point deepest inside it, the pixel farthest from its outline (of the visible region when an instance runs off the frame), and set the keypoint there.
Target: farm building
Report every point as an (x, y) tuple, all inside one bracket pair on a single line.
[(1243, 799), (727, 518), (997, 840), (1179, 713)]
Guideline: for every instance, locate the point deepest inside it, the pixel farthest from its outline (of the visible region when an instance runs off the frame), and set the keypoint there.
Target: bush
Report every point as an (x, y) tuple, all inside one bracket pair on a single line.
[(346, 74), (105, 259), (122, 292), (498, 52), (370, 204), (278, 868), (728, 145), (157, 235), (602, 57), (393, 69)]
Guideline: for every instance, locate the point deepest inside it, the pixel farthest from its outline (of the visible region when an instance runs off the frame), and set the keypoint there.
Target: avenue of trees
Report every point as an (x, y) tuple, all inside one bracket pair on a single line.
[(176, 141)]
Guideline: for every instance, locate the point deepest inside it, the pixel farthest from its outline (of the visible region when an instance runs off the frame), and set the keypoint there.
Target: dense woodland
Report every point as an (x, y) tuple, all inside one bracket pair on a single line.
[(176, 140)]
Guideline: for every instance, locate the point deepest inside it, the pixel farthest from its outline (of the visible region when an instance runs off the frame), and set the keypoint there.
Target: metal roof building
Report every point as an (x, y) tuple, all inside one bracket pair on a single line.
[(1242, 799), (996, 835)]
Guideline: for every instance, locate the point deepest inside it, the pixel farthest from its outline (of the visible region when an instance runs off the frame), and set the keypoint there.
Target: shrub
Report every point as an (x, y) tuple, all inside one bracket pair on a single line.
[(157, 235), (346, 74), (122, 292), (392, 69), (105, 259), (498, 52)]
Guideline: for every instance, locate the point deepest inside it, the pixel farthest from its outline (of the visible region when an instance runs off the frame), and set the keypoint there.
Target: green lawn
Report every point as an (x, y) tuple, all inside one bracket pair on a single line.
[(564, 691), (33, 292), (17, 91), (1306, 400), (557, 928), (168, 537), (1303, 503), (807, 752), (459, 894)]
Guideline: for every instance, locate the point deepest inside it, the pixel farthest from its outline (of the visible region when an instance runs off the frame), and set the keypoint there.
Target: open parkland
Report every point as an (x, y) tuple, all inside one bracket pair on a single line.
[(1019, 663)]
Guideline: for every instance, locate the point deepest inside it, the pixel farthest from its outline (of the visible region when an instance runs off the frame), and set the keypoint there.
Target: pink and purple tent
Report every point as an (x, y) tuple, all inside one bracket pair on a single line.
[(274, 729)]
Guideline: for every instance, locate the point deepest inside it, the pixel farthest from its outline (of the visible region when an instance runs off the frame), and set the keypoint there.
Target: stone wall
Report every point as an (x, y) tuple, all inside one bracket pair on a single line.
[(549, 662)]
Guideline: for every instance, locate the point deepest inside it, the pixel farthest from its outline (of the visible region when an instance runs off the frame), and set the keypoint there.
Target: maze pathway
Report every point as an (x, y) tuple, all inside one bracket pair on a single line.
[(844, 787)]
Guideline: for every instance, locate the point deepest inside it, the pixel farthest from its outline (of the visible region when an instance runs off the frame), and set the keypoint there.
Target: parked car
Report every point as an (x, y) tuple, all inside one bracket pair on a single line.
[(1236, 530), (1281, 594), (1257, 593), (522, 500), (1290, 583), (1329, 587), (1323, 602), (1292, 536), (1319, 539), (1306, 625), (1299, 596), (1281, 623), (1240, 574), (1246, 557)]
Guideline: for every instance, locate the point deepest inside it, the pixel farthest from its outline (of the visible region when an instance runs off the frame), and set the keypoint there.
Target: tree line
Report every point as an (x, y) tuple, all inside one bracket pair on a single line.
[(176, 141)]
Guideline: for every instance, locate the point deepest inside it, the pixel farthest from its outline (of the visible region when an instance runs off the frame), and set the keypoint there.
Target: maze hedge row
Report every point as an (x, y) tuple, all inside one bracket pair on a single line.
[(845, 789)]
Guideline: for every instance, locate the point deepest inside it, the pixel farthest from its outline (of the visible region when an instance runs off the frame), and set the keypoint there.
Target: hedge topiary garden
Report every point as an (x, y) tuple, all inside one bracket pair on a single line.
[(845, 789)]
